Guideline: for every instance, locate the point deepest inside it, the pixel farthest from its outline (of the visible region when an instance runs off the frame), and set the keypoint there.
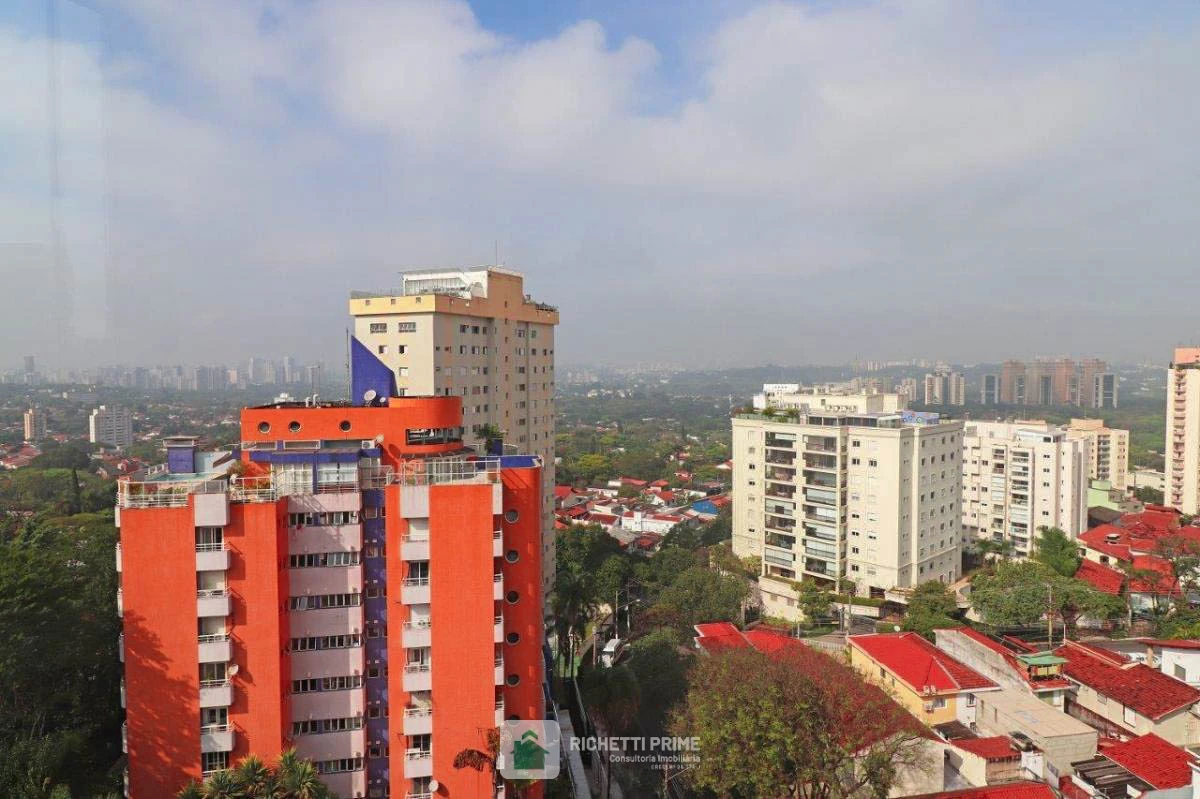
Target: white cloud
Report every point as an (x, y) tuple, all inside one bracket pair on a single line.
[(826, 153)]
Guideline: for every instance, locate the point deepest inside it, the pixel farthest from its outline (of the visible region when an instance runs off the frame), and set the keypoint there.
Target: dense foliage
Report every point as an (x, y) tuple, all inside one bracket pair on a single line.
[(252, 778)]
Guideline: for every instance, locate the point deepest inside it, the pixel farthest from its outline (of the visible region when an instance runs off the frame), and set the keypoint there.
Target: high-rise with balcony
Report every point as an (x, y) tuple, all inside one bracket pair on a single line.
[(1182, 450), (473, 334), (111, 426), (945, 388), (856, 491), (1018, 477), (35, 424), (1109, 450), (350, 581)]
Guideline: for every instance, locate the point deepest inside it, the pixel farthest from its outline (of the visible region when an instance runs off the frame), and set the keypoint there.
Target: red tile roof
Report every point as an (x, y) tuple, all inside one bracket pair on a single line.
[(1135, 685), (995, 748), (561, 492), (1010, 657), (1101, 577), (920, 664), (1165, 582), (1172, 643), (1007, 790), (718, 636), (1152, 759)]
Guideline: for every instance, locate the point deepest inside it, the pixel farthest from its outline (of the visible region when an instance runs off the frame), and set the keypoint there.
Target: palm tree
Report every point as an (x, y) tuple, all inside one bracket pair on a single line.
[(573, 605), (222, 785), (481, 760), (256, 779), (299, 779), (193, 790)]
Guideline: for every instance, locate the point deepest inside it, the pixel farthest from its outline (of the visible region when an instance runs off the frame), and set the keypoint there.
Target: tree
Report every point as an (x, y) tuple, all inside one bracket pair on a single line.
[(795, 724), (661, 671), (292, 778), (487, 759), (612, 576), (1021, 593), (1055, 549), (1149, 495), (932, 606), (815, 601), (573, 604), (700, 595)]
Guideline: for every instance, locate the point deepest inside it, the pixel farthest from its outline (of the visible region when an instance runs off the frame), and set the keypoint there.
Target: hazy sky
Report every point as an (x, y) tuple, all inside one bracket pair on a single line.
[(706, 182)]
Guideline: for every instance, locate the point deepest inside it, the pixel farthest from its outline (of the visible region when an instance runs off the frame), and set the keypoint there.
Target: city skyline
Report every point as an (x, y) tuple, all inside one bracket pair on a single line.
[(617, 156)]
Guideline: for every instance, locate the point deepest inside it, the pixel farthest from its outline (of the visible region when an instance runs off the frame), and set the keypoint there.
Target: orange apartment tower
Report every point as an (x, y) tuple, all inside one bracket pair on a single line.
[(350, 582)]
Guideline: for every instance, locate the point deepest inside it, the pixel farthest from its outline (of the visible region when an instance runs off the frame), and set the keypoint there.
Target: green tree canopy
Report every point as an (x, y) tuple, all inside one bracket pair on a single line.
[(932, 606), (796, 724), (1020, 593), (252, 778), (1055, 549), (701, 595), (660, 669)]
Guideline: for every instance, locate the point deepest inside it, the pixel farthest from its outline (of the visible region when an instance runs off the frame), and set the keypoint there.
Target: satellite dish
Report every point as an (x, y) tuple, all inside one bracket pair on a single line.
[(233, 670), (434, 785), (379, 438), (369, 396)]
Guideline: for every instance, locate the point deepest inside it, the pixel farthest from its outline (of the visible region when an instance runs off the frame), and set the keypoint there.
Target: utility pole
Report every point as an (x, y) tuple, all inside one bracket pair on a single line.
[(1050, 617)]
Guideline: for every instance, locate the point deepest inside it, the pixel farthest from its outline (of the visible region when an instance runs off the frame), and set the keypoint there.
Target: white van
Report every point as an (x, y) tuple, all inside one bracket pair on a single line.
[(612, 652)]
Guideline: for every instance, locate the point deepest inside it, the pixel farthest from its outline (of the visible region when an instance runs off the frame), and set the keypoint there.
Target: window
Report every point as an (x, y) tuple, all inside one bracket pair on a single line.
[(1180, 673), (213, 761), (406, 327), (324, 601), (379, 327), (402, 371), (381, 349), (1130, 717)]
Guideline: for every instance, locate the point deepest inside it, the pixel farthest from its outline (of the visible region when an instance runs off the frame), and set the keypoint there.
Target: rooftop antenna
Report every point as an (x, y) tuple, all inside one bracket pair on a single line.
[(497, 261)]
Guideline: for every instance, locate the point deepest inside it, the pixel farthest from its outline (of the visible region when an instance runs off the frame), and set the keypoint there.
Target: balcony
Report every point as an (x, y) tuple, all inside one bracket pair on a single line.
[(418, 720), (498, 630), (121, 647), (416, 634), (122, 692), (215, 649), (415, 591), (212, 558), (497, 543), (216, 738), (214, 602), (216, 693), (125, 737), (499, 711), (417, 677), (497, 586), (418, 763), (118, 548), (414, 548), (500, 671), (120, 603)]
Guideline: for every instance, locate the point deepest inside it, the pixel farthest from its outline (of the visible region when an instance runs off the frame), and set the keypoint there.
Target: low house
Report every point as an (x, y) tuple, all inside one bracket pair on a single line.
[(1146, 766), (1122, 698), (989, 760), (715, 638), (1011, 790), (929, 683), (1178, 658), (1007, 663)]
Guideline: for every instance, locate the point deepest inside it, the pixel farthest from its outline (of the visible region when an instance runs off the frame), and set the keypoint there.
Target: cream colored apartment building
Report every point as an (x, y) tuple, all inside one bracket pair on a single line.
[(475, 334), (1109, 456), (849, 494), (1183, 431), (1018, 477)]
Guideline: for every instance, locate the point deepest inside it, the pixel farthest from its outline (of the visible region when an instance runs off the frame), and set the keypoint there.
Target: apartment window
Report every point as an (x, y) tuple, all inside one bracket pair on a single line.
[(209, 539), (339, 766), (325, 601), (214, 761), (406, 327), (402, 371), (1180, 673), (379, 327), (401, 348), (381, 349)]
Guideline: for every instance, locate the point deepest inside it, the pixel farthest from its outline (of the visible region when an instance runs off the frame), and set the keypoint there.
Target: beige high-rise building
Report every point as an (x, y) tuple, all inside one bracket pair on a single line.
[(1018, 477), (848, 494), (1183, 431), (945, 388), (476, 334), (111, 426), (35, 424), (1109, 457)]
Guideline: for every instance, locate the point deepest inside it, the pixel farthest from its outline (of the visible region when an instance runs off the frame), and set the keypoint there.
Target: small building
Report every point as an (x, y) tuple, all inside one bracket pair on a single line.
[(1146, 766)]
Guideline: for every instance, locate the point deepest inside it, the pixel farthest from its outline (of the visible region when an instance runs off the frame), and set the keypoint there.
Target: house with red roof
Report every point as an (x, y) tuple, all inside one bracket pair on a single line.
[(1142, 766), (929, 683), (1178, 658), (991, 759), (716, 638), (1011, 790), (1009, 665), (1123, 698)]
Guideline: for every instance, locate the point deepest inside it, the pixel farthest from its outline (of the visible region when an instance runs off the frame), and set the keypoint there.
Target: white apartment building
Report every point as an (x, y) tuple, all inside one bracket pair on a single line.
[(475, 334), (1109, 455), (1183, 431), (35, 424), (945, 388), (1018, 477), (829, 396), (849, 495), (111, 426)]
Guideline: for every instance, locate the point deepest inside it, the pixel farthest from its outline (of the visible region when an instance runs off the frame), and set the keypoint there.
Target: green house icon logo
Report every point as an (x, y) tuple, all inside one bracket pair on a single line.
[(529, 750)]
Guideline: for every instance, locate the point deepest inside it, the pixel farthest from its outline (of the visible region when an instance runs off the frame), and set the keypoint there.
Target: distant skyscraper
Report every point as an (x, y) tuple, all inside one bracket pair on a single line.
[(30, 365), (1183, 431), (35, 424), (989, 389), (945, 388), (111, 426), (1061, 381), (474, 334)]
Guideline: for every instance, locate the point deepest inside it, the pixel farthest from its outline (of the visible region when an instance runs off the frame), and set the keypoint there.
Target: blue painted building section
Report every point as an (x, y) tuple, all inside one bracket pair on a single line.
[(375, 613), (705, 506), (368, 373)]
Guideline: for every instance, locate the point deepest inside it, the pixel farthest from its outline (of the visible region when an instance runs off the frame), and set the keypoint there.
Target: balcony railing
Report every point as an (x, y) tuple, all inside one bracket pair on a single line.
[(419, 624), (219, 638), (416, 582), (416, 668)]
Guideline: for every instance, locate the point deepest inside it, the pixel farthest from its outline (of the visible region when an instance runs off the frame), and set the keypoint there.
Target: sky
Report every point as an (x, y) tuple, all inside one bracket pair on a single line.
[(715, 183)]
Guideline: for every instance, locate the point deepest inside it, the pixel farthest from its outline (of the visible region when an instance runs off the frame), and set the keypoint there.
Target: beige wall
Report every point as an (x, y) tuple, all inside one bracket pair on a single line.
[(1109, 450), (1180, 728), (501, 366)]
